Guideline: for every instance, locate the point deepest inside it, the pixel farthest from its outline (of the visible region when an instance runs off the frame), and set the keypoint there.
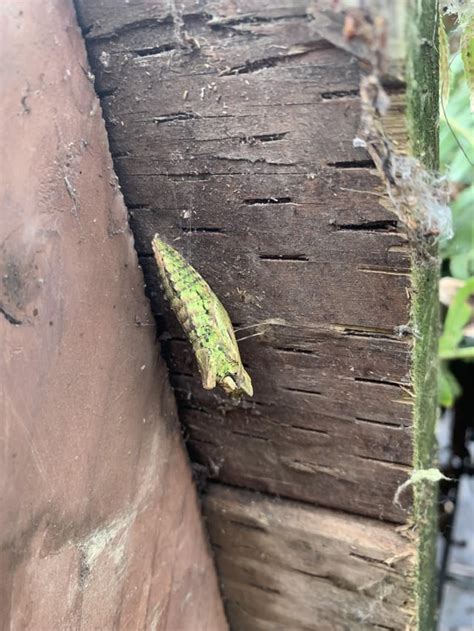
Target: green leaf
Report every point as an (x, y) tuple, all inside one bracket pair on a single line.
[(457, 128), (467, 54), (462, 265), (448, 386), (462, 352), (460, 249), (458, 315)]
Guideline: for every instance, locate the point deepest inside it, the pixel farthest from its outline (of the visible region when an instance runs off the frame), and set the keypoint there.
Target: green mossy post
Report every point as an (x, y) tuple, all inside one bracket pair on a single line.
[(423, 117), (425, 319), (422, 74)]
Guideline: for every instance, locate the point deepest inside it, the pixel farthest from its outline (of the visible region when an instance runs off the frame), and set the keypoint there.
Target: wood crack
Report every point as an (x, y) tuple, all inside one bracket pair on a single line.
[(249, 160), (251, 18), (175, 116), (248, 526), (369, 226), (324, 577), (339, 582), (268, 62), (296, 258), (264, 588), (396, 384), (371, 333), (372, 561), (296, 351), (370, 421), (248, 435), (339, 94), (352, 164), (203, 230), (380, 270), (302, 391), (259, 201), (265, 137), (310, 429), (388, 463), (153, 51)]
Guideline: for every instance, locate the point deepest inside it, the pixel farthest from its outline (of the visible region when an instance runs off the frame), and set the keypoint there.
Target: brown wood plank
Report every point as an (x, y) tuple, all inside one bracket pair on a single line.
[(231, 130), (99, 523), (286, 565)]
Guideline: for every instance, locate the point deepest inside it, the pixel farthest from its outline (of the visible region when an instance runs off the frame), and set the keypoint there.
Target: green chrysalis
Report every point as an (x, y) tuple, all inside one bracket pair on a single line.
[(204, 320)]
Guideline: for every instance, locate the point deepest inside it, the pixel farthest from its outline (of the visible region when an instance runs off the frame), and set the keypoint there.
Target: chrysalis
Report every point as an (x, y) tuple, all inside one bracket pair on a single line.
[(204, 320)]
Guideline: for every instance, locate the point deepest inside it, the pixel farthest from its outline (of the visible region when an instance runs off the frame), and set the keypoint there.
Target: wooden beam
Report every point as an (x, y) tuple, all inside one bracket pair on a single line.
[(99, 522)]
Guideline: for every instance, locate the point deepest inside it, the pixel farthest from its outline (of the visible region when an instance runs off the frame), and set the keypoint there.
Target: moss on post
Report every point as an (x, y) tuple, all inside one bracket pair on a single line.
[(423, 115), (425, 319), (422, 75)]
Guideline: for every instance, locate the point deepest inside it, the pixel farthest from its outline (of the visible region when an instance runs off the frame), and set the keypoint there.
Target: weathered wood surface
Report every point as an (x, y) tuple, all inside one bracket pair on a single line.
[(99, 523), (286, 565), (231, 128)]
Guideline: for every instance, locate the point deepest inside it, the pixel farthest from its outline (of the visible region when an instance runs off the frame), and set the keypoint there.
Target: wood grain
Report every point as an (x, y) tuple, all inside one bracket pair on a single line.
[(100, 526), (286, 565)]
